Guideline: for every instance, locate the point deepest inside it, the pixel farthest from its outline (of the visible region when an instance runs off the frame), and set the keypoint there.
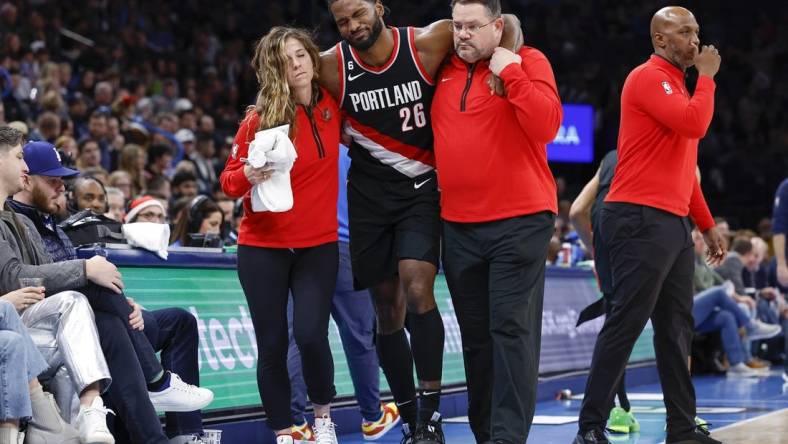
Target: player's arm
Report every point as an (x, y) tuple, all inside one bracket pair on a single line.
[(436, 41), (329, 71), (580, 212)]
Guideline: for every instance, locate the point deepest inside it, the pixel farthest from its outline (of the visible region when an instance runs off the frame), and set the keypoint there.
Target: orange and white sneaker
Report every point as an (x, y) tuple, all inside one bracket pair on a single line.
[(303, 434), (373, 430)]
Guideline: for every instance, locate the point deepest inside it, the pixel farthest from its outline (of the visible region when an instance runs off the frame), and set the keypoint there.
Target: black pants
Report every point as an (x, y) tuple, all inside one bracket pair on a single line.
[(104, 300), (652, 261), (267, 275), (495, 272), (128, 393)]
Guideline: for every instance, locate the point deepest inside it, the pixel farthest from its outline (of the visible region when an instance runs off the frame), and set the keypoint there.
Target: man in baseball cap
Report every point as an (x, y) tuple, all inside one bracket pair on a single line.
[(44, 186)]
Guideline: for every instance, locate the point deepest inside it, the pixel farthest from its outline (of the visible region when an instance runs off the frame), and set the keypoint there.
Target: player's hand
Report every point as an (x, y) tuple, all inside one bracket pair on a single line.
[(707, 62), (715, 253), (502, 58), (257, 175)]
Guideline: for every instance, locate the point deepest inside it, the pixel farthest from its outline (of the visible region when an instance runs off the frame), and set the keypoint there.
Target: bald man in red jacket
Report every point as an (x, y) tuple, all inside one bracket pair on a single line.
[(646, 227)]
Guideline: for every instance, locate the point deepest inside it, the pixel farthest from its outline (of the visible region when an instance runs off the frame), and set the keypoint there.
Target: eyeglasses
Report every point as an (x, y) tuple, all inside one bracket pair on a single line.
[(150, 216), (471, 29)]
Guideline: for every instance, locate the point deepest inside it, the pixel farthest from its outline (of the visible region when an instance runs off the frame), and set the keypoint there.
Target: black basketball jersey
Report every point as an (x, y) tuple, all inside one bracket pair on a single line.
[(387, 110), (606, 170)]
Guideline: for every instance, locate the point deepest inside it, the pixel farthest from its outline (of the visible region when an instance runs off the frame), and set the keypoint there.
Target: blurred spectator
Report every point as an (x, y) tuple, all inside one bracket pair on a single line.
[(184, 184), (116, 204), (132, 160), (122, 180), (89, 154), (200, 217)]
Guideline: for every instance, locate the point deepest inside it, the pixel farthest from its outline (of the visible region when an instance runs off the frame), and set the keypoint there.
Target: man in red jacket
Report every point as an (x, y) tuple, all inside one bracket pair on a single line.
[(645, 225), (498, 205)]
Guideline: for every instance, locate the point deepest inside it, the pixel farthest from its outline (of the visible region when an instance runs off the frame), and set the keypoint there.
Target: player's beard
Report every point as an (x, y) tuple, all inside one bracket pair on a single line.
[(364, 45)]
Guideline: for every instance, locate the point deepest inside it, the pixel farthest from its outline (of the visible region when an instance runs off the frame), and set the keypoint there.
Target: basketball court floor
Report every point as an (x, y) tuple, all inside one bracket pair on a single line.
[(740, 411)]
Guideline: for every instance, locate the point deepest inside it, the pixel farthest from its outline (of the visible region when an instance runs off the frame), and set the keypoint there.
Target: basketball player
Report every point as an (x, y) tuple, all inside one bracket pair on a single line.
[(383, 79)]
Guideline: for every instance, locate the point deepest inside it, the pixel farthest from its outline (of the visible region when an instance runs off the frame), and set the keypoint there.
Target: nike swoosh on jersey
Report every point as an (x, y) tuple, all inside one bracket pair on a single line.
[(354, 77)]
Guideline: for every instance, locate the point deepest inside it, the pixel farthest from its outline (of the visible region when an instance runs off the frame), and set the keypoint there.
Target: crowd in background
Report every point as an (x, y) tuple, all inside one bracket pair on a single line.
[(151, 71)]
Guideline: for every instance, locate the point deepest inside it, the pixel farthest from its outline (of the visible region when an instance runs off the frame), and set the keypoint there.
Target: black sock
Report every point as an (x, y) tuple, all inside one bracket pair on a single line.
[(160, 384), (397, 364), (623, 400), (426, 341), (429, 401)]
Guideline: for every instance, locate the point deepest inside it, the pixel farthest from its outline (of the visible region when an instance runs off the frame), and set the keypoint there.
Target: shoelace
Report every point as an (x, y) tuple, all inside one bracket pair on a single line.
[(326, 431)]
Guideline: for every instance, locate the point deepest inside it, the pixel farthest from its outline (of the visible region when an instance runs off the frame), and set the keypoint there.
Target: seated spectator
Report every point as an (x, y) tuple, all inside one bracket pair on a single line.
[(68, 146), (130, 356), (160, 188), (97, 173), (159, 161), (184, 184), (121, 180), (132, 160), (732, 269), (22, 396), (146, 209), (197, 223), (116, 204), (89, 193), (89, 154), (714, 309)]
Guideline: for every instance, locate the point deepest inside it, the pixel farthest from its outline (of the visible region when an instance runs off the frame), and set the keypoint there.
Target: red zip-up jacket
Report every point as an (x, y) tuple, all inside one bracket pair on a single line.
[(313, 219), (658, 141), (490, 151)]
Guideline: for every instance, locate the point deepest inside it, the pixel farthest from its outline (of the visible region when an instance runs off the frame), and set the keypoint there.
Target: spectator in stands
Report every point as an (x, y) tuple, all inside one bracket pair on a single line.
[(122, 180), (159, 161), (146, 209), (203, 159), (732, 269), (133, 159), (160, 188), (714, 309), (68, 146), (184, 184), (201, 217), (116, 204), (89, 194), (22, 397), (166, 390), (97, 131), (89, 154)]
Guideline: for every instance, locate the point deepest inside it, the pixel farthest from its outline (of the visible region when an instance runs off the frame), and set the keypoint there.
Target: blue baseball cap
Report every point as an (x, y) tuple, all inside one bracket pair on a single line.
[(42, 159)]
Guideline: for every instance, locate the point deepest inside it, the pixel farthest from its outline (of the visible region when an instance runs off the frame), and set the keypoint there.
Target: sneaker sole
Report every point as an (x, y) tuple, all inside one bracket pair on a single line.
[(619, 429), (380, 434)]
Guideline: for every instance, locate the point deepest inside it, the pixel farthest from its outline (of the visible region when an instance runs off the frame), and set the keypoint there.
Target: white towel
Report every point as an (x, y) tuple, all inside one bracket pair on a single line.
[(148, 235), (273, 148)]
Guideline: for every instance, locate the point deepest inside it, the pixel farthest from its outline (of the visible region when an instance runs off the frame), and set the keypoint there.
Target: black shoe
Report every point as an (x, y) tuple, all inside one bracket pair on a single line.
[(592, 436), (430, 432), (696, 436), (407, 433)]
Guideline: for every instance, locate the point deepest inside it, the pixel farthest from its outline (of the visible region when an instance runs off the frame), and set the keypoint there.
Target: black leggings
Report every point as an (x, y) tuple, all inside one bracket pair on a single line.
[(267, 275)]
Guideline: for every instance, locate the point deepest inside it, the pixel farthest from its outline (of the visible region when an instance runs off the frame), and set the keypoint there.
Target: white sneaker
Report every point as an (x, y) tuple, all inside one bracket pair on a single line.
[(325, 431), (91, 423), (180, 396), (760, 330), (741, 370), (284, 439), (785, 375), (187, 439)]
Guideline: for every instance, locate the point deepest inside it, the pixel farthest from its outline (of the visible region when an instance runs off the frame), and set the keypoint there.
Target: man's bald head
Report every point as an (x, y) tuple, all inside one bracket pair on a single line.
[(667, 17), (674, 34)]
